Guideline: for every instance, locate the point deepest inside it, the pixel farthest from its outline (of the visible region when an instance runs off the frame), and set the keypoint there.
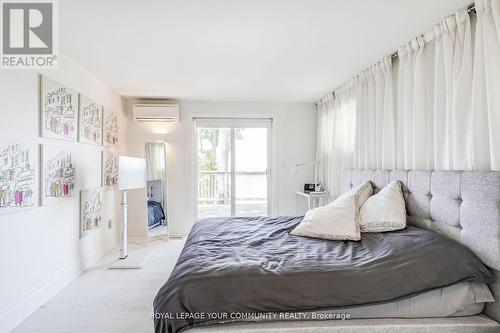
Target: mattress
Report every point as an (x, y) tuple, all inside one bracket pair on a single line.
[(459, 300)]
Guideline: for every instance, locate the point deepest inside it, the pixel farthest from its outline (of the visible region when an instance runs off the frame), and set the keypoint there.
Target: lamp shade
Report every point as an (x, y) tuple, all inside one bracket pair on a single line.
[(132, 173)]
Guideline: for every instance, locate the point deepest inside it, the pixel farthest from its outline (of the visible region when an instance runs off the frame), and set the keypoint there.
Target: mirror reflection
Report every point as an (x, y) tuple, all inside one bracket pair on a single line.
[(156, 188)]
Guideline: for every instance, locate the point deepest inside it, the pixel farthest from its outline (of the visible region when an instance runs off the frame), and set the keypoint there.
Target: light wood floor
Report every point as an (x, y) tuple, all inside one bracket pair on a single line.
[(102, 300)]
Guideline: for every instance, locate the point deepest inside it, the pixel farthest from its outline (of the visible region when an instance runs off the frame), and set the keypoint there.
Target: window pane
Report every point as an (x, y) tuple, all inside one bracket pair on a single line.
[(214, 172), (251, 171)]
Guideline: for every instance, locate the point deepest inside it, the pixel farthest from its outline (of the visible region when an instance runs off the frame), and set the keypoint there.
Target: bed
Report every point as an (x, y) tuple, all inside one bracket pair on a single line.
[(458, 207), (155, 214)]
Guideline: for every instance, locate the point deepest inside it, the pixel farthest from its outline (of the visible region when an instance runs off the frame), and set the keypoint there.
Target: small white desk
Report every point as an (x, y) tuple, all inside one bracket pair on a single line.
[(314, 199)]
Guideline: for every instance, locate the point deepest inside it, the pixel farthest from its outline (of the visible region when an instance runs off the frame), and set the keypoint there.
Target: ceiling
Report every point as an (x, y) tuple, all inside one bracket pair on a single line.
[(238, 50)]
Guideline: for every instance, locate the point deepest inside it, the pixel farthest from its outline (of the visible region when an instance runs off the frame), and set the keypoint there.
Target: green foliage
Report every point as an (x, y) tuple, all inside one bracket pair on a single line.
[(206, 152), (206, 162)]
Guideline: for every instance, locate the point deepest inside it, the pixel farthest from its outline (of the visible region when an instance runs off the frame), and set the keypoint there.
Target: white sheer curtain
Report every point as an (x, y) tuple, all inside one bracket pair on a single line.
[(375, 120), (335, 144), (452, 98), (434, 104), (443, 113), (155, 164), (155, 160), (356, 126), (485, 121)]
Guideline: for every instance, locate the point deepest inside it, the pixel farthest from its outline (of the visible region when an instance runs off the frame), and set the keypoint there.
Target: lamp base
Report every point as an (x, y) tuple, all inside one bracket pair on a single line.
[(134, 260)]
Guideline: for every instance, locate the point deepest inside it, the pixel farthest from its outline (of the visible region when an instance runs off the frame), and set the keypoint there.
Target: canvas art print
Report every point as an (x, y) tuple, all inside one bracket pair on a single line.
[(59, 110), (110, 129), (59, 174), (91, 210), (90, 121), (109, 169), (18, 176)]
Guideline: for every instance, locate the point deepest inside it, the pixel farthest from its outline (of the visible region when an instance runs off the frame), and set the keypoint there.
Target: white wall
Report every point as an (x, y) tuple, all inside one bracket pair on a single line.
[(294, 141), (137, 136), (40, 249)]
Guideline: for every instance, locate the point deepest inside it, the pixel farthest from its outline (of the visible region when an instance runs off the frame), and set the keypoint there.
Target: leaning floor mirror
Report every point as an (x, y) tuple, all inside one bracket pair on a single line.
[(155, 154)]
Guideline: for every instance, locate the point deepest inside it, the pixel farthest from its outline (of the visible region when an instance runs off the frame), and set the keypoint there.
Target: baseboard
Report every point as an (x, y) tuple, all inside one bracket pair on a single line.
[(15, 313), (135, 231), (177, 236)]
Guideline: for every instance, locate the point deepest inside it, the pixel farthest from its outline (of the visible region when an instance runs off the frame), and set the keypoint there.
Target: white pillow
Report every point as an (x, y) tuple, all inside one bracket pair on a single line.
[(384, 211), (338, 220)]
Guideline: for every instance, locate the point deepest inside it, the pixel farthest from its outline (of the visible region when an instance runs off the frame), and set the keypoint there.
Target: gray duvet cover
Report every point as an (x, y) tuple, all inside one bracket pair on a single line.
[(233, 267)]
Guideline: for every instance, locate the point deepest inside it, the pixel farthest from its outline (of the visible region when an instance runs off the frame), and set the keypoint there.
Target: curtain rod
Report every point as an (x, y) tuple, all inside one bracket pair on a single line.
[(470, 9)]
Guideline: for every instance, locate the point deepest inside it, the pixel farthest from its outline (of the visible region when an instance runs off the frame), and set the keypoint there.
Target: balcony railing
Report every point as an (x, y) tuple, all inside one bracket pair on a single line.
[(214, 187)]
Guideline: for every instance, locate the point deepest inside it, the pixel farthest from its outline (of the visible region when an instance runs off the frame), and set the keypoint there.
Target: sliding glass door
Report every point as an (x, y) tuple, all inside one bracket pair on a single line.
[(232, 163)]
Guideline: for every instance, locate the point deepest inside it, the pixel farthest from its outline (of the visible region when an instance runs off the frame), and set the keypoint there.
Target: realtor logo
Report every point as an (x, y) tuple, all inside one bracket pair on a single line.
[(28, 34)]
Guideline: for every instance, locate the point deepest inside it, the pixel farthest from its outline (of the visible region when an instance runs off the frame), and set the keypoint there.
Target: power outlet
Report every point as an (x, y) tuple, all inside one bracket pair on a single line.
[(110, 223)]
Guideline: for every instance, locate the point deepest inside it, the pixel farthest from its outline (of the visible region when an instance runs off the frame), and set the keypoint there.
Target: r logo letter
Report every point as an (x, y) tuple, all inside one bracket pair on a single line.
[(35, 22), (27, 28)]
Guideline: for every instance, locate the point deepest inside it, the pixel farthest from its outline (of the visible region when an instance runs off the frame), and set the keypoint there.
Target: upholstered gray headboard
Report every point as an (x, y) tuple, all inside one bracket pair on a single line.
[(463, 205)]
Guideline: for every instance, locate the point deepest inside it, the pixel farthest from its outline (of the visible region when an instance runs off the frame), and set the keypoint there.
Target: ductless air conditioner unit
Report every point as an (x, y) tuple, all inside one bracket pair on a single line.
[(156, 113)]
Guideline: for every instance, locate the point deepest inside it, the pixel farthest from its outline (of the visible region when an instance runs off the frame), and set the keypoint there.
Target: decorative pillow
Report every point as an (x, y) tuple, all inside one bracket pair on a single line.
[(338, 220), (384, 211)]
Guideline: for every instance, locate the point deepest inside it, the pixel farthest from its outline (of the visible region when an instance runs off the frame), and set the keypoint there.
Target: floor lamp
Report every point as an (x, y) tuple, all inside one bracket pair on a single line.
[(132, 175)]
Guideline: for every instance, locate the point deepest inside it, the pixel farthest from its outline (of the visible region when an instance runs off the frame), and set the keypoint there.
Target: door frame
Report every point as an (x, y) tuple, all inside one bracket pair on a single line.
[(271, 161)]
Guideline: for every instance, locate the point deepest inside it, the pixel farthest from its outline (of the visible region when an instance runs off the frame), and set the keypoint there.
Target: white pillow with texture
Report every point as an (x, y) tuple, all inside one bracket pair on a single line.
[(338, 220), (384, 211)]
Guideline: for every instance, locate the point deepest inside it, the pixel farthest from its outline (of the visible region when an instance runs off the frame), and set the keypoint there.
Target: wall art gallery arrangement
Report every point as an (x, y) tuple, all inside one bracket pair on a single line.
[(18, 176), (59, 111), (59, 174), (91, 210), (109, 169), (90, 121), (110, 129), (28, 177)]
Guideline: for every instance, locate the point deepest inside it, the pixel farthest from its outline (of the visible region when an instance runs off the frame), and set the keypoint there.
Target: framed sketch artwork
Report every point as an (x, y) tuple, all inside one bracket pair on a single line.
[(91, 210), (58, 110), (110, 130), (90, 121), (18, 176), (58, 174), (109, 169)]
